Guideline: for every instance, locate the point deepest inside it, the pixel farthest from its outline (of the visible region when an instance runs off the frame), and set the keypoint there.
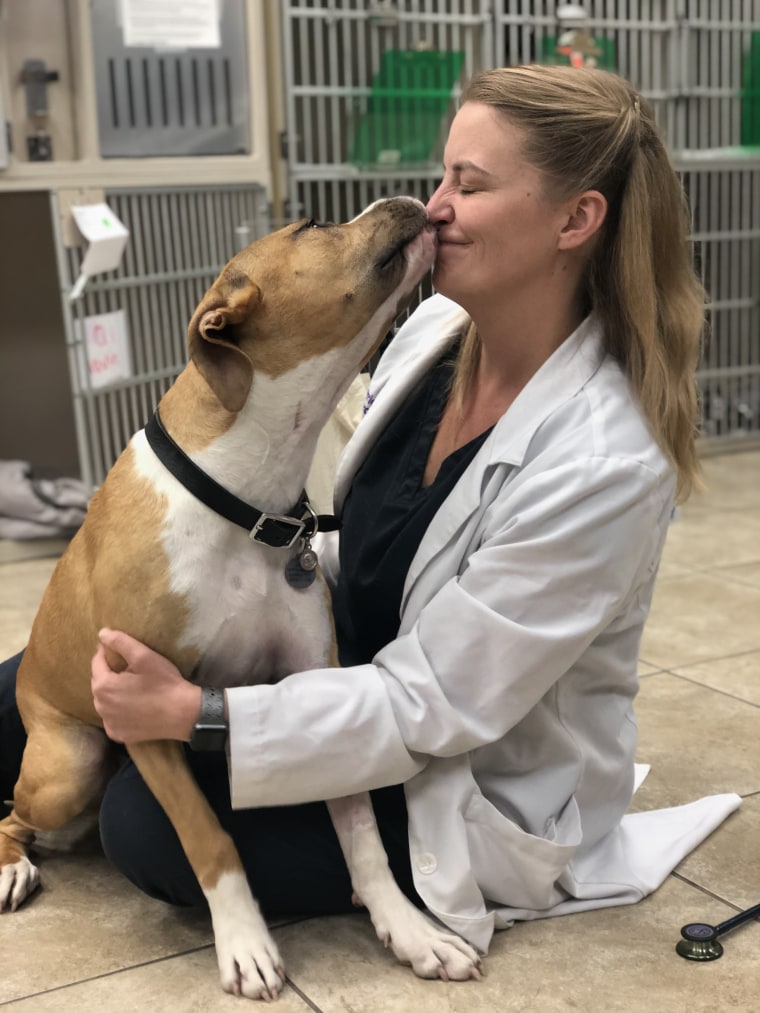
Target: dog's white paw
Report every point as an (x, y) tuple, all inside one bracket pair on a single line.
[(431, 951), (17, 881), (250, 963)]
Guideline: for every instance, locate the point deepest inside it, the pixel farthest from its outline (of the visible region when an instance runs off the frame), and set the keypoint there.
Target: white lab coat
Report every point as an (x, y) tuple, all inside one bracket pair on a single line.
[(505, 704)]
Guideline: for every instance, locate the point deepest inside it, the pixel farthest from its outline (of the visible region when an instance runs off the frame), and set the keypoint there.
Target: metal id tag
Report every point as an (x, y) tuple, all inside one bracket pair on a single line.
[(301, 570)]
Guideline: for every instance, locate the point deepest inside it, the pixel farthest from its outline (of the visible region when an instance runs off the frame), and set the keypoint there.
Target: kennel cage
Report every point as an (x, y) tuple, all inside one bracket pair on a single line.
[(179, 240), (697, 61)]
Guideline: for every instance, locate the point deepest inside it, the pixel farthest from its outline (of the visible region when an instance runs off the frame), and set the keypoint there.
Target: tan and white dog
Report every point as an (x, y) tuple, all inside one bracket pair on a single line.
[(274, 343)]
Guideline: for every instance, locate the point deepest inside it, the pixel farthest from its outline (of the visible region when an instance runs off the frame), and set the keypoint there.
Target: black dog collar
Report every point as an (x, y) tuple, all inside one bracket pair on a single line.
[(281, 531)]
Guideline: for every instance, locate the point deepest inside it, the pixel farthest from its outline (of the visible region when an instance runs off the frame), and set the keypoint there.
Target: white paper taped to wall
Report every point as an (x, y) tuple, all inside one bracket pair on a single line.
[(171, 24), (107, 237)]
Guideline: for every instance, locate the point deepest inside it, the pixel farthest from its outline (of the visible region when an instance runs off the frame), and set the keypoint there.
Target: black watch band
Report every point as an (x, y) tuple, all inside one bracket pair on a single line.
[(210, 730)]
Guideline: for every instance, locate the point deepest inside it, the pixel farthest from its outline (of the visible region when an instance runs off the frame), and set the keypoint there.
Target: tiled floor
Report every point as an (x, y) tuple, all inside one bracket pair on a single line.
[(88, 941)]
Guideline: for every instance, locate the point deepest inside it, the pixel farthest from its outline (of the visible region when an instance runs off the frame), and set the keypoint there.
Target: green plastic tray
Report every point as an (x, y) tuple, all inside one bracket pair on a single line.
[(406, 110), (750, 125)]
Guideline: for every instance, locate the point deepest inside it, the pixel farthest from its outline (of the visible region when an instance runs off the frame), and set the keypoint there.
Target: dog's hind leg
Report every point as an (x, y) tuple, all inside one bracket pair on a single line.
[(431, 950), (249, 962), (62, 772)]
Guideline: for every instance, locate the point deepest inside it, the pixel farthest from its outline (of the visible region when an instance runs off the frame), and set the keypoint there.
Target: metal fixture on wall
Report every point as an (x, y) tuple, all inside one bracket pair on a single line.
[(36, 77)]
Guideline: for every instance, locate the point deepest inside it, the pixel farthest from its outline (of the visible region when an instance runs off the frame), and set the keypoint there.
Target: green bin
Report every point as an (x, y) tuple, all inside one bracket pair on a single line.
[(407, 108), (750, 125)]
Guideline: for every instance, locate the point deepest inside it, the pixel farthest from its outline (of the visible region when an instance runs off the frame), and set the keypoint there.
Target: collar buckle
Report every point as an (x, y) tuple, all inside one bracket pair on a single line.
[(277, 530)]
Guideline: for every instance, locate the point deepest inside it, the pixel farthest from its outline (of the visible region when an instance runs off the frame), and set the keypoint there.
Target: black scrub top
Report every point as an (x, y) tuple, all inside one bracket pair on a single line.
[(386, 514)]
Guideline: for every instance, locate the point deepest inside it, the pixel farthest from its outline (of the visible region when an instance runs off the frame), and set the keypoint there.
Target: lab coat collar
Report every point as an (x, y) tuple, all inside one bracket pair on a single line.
[(419, 344), (560, 378)]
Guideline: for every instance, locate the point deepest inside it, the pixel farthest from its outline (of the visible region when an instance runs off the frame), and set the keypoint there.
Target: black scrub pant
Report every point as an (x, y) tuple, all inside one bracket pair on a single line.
[(291, 854)]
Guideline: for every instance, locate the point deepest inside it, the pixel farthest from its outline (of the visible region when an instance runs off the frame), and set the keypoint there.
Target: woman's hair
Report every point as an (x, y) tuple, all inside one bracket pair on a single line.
[(590, 130)]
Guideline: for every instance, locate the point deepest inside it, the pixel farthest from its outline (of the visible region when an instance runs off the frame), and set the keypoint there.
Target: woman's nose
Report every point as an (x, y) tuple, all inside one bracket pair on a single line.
[(439, 209)]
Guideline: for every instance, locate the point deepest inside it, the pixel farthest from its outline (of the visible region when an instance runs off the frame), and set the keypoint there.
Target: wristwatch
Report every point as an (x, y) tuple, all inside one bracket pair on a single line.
[(210, 730)]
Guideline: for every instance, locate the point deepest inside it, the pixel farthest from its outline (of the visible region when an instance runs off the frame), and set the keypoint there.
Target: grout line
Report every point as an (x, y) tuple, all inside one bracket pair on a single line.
[(712, 571), (713, 689), (108, 974), (722, 657), (699, 661), (303, 996), (705, 891)]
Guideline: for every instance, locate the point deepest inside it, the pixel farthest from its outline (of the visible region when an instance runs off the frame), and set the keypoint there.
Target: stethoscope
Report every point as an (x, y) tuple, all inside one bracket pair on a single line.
[(700, 942)]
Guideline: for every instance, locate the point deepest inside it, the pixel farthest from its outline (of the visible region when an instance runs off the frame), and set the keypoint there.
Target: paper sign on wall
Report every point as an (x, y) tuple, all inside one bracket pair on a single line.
[(171, 24), (107, 348)]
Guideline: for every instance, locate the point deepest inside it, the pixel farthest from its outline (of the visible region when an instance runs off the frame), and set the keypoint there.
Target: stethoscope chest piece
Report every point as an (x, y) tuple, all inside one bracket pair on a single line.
[(699, 942)]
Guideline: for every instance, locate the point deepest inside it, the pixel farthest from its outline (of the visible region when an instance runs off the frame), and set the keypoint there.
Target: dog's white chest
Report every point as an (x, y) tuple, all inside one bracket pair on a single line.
[(248, 623), (244, 620)]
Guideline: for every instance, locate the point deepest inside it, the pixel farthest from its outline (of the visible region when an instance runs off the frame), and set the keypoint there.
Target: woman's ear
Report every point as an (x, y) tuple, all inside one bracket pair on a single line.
[(585, 217)]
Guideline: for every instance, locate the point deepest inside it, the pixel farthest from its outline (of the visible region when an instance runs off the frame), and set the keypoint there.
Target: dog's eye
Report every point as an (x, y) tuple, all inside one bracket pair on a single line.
[(312, 223)]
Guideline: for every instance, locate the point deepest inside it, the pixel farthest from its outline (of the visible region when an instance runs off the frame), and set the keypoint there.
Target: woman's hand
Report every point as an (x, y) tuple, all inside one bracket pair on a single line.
[(148, 700)]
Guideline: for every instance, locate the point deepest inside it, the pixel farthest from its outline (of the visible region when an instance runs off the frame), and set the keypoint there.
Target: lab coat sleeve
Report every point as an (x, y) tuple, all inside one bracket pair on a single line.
[(560, 558)]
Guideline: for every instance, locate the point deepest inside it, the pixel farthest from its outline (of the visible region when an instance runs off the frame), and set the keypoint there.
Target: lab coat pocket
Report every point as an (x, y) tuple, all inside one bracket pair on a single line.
[(514, 868)]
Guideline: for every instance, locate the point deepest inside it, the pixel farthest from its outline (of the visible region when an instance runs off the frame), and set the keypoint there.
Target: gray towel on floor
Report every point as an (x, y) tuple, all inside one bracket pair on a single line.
[(33, 507)]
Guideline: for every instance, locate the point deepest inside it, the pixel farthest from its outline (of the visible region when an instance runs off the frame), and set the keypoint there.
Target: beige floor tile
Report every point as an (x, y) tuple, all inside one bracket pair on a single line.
[(21, 588), (669, 569), (183, 984), (728, 862), (745, 573), (698, 617), (733, 482), (37, 548), (23, 582), (86, 921), (619, 959), (738, 675), (702, 538), (697, 741), (14, 630)]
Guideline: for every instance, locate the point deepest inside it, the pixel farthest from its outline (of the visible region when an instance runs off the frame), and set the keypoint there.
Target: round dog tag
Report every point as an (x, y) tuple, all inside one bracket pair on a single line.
[(308, 559), (297, 576)]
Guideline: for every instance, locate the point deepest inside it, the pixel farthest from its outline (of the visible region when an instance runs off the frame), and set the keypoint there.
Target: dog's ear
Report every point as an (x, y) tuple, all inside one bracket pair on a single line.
[(213, 337)]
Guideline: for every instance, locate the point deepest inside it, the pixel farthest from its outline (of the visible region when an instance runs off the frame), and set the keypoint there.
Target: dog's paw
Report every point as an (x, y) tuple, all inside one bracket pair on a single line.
[(250, 965), (18, 880), (431, 951)]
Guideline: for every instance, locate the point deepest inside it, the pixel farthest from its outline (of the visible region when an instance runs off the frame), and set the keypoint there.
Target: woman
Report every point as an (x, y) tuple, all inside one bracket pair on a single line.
[(505, 503)]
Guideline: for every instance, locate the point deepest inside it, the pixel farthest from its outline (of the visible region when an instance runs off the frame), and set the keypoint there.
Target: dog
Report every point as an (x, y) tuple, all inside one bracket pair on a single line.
[(274, 343)]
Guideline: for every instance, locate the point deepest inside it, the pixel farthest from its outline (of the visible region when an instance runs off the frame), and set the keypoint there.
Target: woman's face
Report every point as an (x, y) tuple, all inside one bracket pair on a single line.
[(497, 232)]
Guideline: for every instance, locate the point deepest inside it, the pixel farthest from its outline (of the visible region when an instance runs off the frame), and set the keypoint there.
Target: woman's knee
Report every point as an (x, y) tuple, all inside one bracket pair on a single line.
[(139, 839)]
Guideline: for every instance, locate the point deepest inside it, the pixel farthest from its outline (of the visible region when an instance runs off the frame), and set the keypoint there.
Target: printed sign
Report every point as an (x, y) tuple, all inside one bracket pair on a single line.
[(107, 348), (171, 24)]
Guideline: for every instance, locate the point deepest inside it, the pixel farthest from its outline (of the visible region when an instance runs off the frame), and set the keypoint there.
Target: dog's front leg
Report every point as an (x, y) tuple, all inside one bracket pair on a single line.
[(249, 963), (432, 951)]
